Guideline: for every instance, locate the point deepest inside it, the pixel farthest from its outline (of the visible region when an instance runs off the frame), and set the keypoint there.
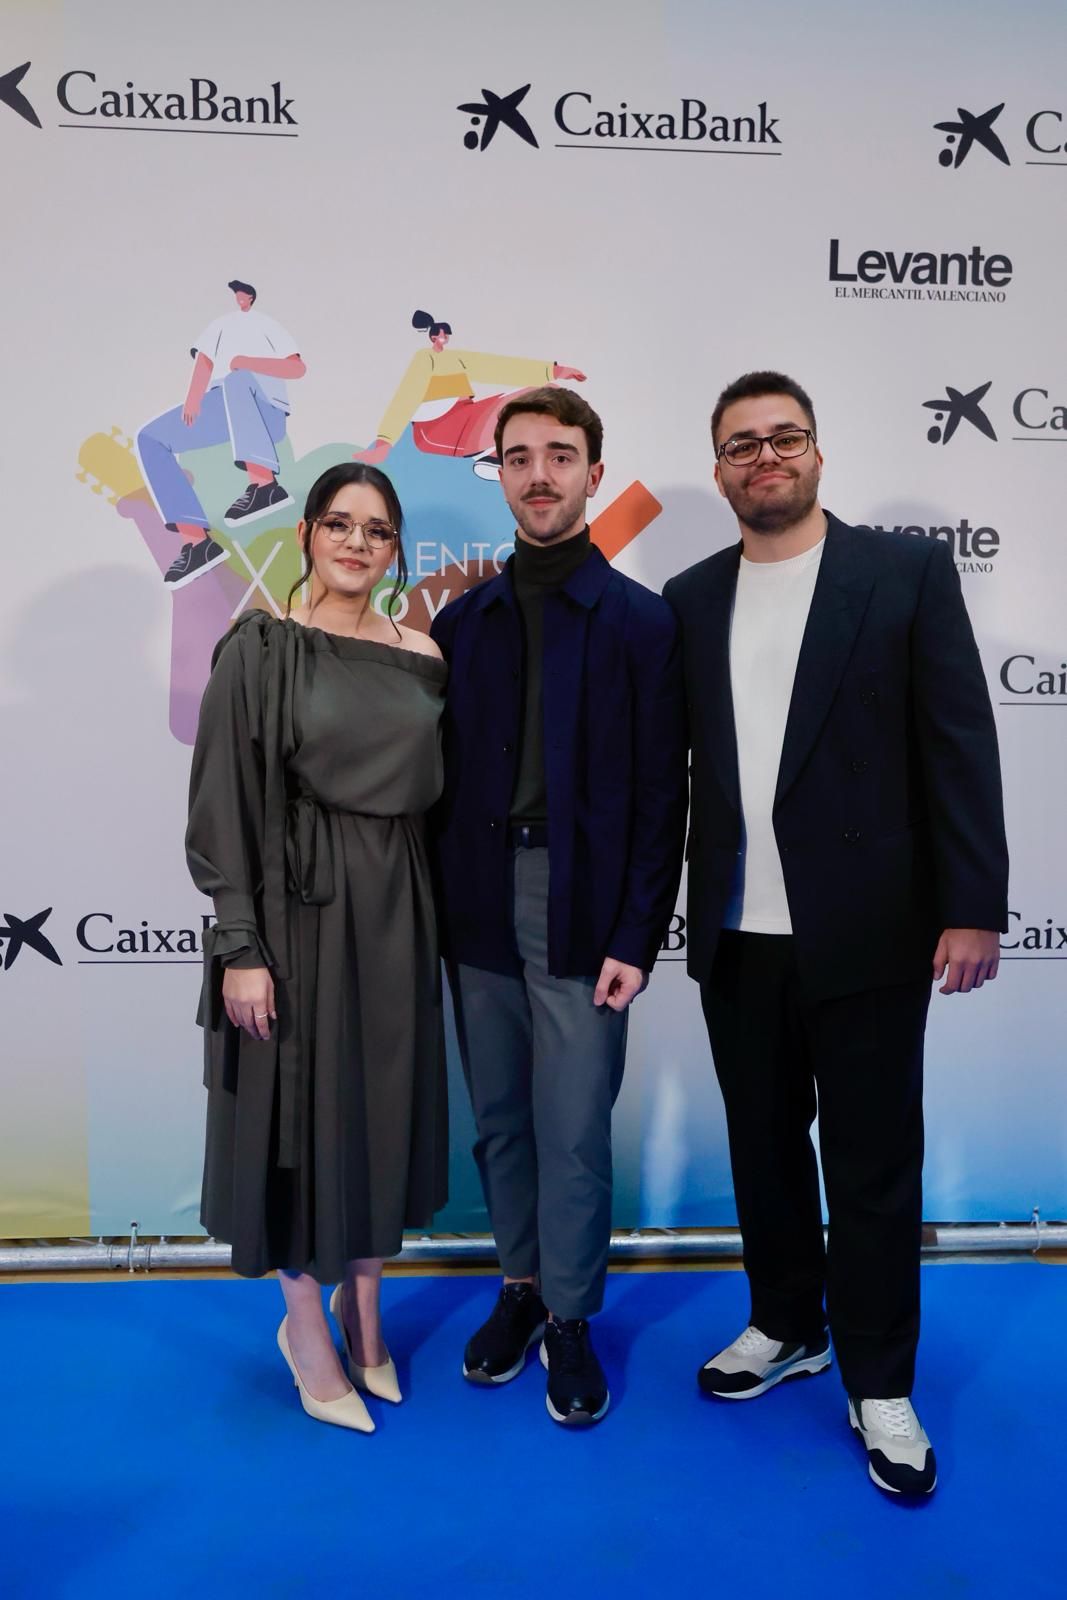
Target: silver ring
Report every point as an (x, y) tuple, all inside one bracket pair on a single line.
[(259, 1015)]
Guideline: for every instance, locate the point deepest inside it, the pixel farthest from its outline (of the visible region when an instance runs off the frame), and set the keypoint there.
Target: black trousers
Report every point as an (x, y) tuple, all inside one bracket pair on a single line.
[(858, 1060)]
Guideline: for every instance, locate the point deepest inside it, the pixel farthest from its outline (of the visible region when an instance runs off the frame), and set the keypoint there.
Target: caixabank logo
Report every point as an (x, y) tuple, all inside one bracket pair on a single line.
[(1035, 414), (88, 98), (1029, 938), (582, 120), (908, 273), (1034, 681), (1037, 138), (101, 938), (19, 934)]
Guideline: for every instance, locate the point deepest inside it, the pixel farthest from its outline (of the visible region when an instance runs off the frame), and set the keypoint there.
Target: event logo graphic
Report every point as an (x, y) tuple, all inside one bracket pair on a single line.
[(497, 111), (957, 408), (219, 555), (26, 934), (969, 131), (12, 95)]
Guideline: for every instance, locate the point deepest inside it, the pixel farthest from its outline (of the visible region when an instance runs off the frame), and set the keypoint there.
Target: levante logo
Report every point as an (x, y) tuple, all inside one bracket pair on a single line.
[(971, 131), (974, 547), (197, 105), (972, 274), (1034, 410), (688, 123)]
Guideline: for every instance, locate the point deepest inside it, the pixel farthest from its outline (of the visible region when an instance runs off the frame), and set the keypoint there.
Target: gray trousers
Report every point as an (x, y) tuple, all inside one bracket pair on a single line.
[(544, 1067)]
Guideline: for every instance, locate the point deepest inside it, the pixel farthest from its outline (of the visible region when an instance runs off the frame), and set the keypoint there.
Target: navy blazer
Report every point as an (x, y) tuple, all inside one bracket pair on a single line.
[(888, 810), (615, 770)]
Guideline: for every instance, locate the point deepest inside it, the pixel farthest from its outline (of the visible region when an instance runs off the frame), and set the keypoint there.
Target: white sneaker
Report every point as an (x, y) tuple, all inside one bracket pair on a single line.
[(900, 1458), (754, 1363)]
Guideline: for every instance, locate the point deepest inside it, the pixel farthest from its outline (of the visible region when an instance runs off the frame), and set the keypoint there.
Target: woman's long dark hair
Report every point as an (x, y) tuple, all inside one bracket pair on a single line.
[(320, 498)]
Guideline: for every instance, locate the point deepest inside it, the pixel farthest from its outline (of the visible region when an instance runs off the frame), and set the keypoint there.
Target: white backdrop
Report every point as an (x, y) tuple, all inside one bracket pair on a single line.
[(659, 260)]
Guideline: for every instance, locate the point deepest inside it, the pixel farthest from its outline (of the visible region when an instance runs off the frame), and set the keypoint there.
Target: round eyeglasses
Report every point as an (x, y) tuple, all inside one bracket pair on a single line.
[(787, 442), (338, 527)]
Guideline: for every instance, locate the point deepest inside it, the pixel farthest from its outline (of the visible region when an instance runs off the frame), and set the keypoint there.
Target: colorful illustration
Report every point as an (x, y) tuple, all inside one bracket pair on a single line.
[(237, 392), (436, 396), (455, 533)]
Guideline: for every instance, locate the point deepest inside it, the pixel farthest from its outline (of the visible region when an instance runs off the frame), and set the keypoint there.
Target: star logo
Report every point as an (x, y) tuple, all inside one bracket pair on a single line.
[(12, 95), (957, 408), (971, 130), (21, 934), (497, 111)]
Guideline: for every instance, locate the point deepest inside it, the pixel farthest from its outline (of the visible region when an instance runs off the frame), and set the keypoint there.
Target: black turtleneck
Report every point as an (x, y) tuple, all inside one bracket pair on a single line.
[(538, 571)]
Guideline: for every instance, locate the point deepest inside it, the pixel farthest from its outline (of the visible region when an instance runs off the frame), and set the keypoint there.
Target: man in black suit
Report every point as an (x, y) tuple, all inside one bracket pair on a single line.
[(846, 843)]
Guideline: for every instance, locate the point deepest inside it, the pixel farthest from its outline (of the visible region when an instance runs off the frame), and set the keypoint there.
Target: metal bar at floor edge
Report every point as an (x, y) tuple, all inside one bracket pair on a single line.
[(694, 1244)]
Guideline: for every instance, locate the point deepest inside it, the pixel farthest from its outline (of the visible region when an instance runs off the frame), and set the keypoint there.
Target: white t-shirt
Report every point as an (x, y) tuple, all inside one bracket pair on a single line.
[(770, 611), (248, 333)]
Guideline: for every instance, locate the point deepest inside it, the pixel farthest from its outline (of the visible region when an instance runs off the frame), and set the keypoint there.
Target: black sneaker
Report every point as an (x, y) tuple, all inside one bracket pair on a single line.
[(192, 561), (754, 1363), (577, 1389), (258, 500), (497, 1352)]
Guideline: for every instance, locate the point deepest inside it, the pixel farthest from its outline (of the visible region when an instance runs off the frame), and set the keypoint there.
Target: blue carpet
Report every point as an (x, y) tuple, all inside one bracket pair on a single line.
[(152, 1443)]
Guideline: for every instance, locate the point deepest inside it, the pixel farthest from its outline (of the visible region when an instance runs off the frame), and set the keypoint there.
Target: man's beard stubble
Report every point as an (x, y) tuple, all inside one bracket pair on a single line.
[(566, 513), (779, 514)]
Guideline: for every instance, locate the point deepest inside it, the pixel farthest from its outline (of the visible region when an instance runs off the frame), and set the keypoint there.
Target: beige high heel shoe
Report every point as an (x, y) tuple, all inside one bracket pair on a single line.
[(380, 1381), (347, 1412)]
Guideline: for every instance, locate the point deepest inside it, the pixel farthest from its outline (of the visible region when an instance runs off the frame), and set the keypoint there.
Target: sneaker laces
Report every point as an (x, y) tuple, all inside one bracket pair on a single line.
[(568, 1346), (752, 1342), (511, 1300), (895, 1417), (245, 499)]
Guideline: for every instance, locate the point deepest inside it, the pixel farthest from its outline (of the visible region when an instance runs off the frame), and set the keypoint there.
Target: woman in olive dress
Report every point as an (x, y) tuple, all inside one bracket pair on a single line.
[(316, 760)]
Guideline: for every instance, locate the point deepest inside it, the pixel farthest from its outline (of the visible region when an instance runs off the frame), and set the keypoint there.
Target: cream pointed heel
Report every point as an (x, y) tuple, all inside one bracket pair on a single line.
[(347, 1412), (380, 1381)]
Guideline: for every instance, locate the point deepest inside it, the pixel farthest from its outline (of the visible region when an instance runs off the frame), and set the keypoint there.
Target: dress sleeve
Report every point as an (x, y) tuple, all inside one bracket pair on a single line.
[(225, 838)]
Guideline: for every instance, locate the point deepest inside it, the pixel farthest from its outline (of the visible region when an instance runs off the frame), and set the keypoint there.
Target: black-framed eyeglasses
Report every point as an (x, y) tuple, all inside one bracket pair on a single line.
[(787, 442), (338, 527)]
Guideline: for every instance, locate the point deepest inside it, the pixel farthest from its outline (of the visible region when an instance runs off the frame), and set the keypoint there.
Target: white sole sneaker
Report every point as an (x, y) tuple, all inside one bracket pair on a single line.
[(512, 1372), (807, 1368)]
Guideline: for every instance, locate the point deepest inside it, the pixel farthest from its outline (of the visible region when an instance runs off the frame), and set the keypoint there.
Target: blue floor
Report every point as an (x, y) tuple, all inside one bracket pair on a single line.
[(152, 1444)]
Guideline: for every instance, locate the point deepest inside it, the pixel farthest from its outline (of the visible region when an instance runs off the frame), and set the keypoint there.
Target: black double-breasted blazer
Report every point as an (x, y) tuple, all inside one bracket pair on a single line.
[(888, 810)]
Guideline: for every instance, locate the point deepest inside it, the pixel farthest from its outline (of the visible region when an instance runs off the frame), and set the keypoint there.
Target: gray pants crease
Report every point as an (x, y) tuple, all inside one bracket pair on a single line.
[(543, 1066)]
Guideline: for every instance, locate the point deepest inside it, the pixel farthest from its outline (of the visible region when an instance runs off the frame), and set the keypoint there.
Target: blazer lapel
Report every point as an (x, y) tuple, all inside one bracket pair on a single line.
[(842, 591), (713, 657)]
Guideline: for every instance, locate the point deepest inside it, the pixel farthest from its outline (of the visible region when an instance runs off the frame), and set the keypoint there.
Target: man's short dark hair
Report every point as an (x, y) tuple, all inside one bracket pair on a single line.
[(751, 387), (563, 404), (241, 288)]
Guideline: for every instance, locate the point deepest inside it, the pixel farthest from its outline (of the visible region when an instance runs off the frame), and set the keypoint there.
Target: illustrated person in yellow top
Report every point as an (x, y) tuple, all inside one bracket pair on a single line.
[(436, 395)]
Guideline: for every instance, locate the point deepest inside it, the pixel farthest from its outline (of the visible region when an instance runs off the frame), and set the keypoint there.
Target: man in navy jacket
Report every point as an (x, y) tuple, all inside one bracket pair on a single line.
[(559, 844), (846, 845)]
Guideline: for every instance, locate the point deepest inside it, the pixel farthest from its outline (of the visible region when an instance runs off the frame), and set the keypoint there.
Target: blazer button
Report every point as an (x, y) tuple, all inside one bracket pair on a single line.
[(859, 766), (868, 696), (853, 836), (508, 748), (494, 823)]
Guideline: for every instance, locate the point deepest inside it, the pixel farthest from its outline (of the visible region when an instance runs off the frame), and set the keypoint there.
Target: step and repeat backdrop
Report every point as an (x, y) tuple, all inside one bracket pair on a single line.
[(644, 200)]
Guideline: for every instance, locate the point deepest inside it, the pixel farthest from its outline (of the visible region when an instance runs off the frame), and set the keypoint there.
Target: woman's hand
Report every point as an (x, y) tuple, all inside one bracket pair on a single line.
[(248, 995)]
